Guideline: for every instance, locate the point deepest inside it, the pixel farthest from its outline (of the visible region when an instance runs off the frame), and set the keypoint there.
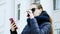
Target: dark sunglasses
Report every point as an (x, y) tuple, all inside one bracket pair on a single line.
[(33, 9)]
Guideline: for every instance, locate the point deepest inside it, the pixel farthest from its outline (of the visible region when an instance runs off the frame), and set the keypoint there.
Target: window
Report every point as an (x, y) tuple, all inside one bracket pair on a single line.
[(37, 1), (56, 4), (18, 7)]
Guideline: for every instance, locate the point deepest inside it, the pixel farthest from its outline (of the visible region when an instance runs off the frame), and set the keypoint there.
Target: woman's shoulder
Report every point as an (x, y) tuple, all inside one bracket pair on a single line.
[(44, 13), (47, 24)]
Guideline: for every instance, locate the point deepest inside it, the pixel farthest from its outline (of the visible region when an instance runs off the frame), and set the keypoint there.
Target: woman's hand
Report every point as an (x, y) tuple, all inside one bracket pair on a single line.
[(31, 14), (13, 26)]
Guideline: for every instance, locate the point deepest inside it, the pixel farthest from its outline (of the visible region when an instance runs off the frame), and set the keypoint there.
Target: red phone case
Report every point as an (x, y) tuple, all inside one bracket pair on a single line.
[(11, 20)]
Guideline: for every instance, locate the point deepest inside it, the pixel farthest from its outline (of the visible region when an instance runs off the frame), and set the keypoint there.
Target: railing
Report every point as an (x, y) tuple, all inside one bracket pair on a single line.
[(56, 31)]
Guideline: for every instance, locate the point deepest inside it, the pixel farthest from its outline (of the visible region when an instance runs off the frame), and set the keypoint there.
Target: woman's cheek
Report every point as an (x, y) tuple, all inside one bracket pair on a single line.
[(36, 13)]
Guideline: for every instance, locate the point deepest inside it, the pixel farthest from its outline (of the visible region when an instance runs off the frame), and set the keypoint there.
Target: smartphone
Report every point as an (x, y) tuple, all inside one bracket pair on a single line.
[(28, 15), (12, 21)]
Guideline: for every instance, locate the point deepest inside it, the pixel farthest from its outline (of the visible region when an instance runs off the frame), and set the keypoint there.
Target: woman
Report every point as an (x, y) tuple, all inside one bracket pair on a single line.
[(38, 21)]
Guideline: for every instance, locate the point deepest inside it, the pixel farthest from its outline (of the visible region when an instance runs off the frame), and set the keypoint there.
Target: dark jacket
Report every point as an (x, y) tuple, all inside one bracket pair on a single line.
[(38, 25)]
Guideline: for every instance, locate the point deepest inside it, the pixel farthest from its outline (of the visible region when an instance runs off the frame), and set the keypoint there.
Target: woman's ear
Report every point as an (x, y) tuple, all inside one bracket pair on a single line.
[(41, 9)]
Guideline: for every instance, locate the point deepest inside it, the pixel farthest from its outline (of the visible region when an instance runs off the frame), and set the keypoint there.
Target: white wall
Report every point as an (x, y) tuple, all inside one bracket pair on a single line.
[(10, 9), (47, 5), (2, 16), (23, 7)]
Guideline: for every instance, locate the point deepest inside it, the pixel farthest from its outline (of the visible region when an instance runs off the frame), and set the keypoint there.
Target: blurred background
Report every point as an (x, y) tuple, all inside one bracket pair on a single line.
[(16, 9)]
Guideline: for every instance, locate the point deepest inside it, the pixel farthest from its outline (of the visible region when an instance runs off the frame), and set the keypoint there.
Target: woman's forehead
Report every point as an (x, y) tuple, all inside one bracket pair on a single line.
[(32, 6)]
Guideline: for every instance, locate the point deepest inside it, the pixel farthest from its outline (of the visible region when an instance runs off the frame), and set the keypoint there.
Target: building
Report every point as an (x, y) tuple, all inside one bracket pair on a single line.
[(16, 9)]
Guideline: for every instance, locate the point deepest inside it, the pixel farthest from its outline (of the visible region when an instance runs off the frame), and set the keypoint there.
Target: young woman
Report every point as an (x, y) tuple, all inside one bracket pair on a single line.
[(38, 21)]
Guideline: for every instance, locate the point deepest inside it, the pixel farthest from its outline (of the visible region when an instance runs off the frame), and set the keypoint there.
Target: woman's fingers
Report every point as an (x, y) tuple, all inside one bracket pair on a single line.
[(13, 26), (12, 23)]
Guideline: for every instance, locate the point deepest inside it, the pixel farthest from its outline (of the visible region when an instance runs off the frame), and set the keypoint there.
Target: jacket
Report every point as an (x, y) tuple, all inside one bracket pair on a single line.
[(38, 25)]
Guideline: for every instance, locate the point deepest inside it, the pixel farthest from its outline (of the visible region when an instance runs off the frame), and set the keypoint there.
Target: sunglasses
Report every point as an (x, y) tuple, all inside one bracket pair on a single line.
[(33, 10)]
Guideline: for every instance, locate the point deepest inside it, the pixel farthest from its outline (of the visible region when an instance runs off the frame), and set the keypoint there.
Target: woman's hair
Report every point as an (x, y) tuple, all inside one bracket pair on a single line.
[(51, 29), (50, 20), (38, 5)]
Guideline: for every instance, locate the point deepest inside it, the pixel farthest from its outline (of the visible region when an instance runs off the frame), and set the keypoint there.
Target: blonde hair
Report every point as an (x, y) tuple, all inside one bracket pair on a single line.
[(38, 5)]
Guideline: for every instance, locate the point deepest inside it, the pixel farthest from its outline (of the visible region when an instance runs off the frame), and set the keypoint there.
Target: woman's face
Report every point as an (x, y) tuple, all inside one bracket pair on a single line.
[(35, 10)]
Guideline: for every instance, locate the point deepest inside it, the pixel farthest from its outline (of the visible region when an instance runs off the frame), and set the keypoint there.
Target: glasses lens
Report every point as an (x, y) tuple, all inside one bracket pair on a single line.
[(33, 9)]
